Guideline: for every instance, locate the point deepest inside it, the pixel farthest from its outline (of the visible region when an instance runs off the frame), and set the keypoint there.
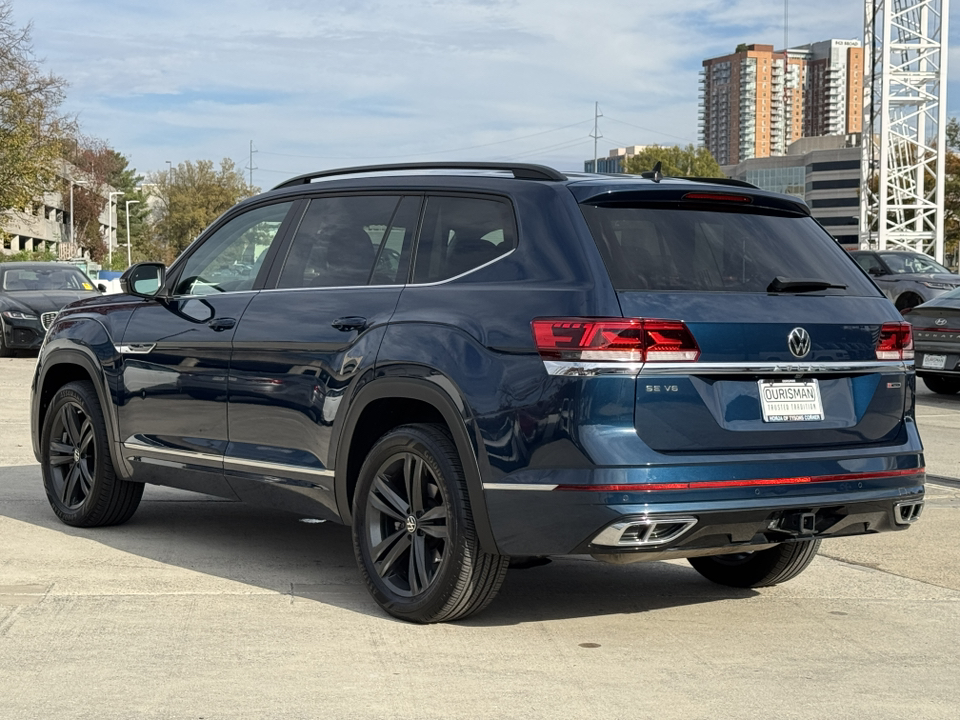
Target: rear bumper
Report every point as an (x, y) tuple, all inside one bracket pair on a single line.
[(541, 518)]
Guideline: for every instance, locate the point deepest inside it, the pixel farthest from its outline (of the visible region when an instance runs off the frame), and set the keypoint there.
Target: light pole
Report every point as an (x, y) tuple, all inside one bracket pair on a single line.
[(110, 237), (129, 203)]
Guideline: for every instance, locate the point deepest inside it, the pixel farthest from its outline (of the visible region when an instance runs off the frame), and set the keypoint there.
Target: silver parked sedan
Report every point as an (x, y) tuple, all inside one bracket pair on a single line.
[(907, 278)]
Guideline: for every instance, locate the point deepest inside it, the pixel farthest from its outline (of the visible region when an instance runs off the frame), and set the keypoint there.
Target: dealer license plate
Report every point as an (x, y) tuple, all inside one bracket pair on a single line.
[(934, 362), (790, 401)]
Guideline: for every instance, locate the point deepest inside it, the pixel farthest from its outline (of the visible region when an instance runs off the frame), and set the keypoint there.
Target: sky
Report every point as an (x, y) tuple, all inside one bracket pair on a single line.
[(319, 84)]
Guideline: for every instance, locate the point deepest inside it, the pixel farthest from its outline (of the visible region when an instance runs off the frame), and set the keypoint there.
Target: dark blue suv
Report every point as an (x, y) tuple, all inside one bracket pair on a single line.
[(472, 362)]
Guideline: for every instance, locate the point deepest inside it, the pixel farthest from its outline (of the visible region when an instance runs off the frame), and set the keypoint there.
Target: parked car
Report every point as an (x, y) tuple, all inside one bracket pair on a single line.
[(907, 278), (472, 362), (936, 329), (31, 295)]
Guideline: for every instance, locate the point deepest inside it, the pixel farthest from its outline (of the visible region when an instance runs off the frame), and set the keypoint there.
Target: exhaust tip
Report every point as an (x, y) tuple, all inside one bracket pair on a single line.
[(644, 531), (907, 513)]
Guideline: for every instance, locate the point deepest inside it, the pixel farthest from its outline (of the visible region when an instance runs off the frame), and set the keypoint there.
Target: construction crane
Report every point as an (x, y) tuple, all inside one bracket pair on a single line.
[(902, 165)]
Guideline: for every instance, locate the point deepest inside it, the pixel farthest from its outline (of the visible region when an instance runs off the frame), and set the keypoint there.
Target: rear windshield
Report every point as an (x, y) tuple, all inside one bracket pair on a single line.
[(704, 250)]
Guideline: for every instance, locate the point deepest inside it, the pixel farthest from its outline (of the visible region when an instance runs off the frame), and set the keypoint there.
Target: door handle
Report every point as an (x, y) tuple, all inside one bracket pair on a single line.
[(346, 324), (221, 324)]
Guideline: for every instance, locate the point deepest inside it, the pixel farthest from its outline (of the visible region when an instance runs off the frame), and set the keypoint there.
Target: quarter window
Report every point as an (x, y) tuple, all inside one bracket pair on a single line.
[(460, 234), (230, 259)]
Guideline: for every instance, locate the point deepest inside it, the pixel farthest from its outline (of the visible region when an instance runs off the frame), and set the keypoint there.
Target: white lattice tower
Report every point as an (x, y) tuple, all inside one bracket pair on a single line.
[(905, 62)]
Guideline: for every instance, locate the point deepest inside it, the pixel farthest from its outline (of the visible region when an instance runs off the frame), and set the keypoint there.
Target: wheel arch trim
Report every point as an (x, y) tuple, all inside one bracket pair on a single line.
[(433, 395), (84, 358)]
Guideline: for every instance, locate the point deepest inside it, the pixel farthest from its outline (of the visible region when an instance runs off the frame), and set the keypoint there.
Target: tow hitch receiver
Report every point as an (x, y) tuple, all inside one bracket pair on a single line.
[(799, 523)]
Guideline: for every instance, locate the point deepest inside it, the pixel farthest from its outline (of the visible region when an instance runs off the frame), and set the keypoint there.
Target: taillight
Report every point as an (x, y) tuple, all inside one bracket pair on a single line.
[(896, 342), (624, 340)]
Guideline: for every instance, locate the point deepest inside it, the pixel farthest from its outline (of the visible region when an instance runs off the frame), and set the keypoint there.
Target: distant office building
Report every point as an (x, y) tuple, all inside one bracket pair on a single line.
[(823, 171), (755, 102), (45, 225), (614, 162)]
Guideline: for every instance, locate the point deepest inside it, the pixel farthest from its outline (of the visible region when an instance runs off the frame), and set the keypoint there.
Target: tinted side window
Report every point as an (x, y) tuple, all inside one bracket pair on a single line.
[(460, 234), (230, 259), (338, 241)]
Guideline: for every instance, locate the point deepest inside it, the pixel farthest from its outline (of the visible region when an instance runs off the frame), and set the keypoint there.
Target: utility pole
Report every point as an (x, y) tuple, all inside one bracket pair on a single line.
[(786, 17), (252, 151), (596, 133)]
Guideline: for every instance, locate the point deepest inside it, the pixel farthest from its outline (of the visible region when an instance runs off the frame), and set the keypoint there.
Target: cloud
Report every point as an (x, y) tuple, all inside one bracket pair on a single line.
[(328, 83)]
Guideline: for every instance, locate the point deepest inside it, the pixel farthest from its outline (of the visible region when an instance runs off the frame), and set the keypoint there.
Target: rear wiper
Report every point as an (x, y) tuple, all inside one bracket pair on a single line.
[(798, 285)]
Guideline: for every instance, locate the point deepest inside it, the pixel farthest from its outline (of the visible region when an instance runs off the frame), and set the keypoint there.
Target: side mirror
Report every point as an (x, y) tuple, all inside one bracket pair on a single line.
[(101, 287), (144, 279), (875, 272)]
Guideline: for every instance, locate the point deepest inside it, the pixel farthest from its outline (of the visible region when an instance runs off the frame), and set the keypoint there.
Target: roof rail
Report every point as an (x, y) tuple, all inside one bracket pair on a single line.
[(521, 171)]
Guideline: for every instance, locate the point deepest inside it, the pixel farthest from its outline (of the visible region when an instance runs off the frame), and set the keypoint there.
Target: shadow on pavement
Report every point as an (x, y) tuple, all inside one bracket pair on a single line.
[(314, 562)]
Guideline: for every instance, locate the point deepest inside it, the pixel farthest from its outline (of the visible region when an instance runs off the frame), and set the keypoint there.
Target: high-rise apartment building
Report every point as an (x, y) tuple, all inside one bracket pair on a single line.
[(756, 101)]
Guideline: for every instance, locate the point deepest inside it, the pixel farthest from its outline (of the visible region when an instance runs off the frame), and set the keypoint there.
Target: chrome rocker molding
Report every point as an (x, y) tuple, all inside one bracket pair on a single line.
[(644, 531), (568, 368), (256, 466)]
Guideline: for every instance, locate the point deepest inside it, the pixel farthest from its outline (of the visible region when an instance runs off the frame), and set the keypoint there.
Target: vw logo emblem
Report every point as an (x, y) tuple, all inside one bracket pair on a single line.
[(76, 455), (799, 342), (941, 321), (411, 524)]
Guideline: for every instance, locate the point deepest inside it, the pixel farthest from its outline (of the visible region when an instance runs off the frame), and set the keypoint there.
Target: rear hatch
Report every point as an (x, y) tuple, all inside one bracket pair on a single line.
[(796, 347)]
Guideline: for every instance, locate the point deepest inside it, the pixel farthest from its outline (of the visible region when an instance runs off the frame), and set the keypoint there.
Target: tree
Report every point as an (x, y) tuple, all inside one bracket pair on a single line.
[(677, 161), (193, 195), (89, 164), (31, 126), (126, 180)]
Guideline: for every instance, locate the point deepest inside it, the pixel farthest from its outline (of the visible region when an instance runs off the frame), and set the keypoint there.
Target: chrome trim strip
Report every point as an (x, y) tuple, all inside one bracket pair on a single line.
[(463, 274), (279, 467), (172, 452), (775, 368), (518, 486), (592, 369), (397, 285), (135, 349)]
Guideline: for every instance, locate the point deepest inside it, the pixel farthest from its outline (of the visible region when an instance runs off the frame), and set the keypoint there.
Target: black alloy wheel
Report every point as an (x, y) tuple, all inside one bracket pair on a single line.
[(413, 531), (406, 524), (78, 474), (72, 454)]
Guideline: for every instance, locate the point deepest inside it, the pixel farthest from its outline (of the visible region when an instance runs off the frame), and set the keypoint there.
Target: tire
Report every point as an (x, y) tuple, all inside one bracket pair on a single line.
[(942, 385), (758, 569), (78, 474), (421, 560), (908, 301)]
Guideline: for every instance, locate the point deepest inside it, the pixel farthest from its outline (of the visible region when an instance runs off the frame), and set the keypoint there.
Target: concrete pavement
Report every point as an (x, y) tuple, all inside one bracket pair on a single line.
[(199, 608)]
